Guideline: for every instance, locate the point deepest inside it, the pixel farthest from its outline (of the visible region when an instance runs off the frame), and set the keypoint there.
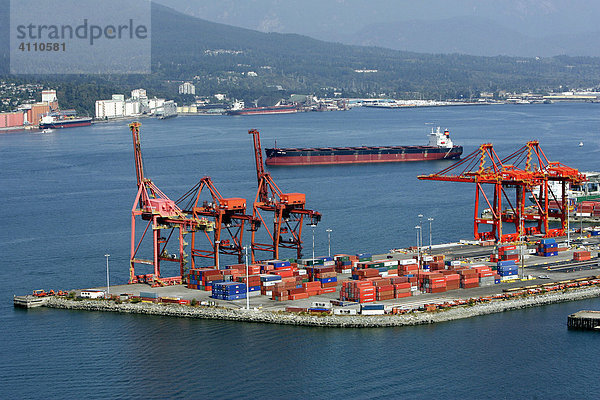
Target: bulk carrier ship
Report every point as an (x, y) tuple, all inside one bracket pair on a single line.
[(61, 120), (440, 147), (239, 109)]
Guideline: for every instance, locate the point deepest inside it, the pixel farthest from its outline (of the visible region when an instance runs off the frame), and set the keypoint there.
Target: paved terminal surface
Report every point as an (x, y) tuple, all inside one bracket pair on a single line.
[(551, 269)]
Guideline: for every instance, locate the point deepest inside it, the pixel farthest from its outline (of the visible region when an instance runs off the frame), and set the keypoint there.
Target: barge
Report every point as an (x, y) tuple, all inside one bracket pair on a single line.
[(440, 147)]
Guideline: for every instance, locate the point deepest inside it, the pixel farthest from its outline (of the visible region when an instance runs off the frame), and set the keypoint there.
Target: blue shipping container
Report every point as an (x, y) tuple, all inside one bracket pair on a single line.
[(372, 307), (505, 263), (550, 245), (548, 241)]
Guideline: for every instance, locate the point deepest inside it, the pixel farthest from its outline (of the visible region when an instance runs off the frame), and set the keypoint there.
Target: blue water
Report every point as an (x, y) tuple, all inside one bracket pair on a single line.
[(67, 198)]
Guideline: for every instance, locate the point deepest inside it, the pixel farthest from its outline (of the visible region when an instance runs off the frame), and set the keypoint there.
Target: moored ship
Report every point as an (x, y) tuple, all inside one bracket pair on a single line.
[(239, 109), (440, 146), (60, 120)]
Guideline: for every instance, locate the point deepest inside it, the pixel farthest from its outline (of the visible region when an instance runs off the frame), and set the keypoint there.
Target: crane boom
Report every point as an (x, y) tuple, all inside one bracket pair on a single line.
[(288, 210)]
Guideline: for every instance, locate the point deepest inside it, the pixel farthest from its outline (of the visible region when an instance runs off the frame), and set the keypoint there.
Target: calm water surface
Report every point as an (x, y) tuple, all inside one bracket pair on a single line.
[(67, 198)]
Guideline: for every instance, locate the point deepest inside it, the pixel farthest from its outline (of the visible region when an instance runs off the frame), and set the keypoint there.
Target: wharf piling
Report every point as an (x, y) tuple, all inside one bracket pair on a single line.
[(587, 320)]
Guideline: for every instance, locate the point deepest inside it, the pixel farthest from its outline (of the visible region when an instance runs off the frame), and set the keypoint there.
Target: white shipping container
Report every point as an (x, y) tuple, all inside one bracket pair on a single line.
[(92, 294), (390, 263), (372, 312), (329, 263), (407, 262), (301, 272), (427, 258), (345, 311)]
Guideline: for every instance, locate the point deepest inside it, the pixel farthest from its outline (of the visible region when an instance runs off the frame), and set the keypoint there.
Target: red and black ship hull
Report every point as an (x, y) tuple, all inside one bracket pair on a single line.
[(67, 123), (355, 155)]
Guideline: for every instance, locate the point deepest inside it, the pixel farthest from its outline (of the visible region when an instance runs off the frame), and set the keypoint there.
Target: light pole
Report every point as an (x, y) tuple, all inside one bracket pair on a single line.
[(107, 279), (568, 223), (328, 241), (313, 226), (430, 220), (247, 281), (420, 229), (217, 243)]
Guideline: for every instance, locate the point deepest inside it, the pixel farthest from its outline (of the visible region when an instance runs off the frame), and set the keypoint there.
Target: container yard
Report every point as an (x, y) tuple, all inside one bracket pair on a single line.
[(204, 226)]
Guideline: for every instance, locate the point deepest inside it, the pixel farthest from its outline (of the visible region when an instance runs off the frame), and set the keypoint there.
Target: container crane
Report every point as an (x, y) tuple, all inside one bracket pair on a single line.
[(503, 176), (163, 215), (545, 171), (288, 210), (229, 216)]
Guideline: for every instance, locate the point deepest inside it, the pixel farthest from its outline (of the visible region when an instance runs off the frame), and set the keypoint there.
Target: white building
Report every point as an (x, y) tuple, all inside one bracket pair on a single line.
[(110, 108), (187, 88), (155, 104), (48, 96), (132, 107), (139, 94)]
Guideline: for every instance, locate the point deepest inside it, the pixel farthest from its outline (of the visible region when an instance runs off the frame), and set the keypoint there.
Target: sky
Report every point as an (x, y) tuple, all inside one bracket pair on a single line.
[(520, 27)]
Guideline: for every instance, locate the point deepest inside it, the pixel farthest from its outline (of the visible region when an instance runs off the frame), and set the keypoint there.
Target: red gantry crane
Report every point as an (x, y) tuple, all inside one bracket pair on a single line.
[(229, 215), (503, 176), (533, 160), (164, 217), (287, 208)]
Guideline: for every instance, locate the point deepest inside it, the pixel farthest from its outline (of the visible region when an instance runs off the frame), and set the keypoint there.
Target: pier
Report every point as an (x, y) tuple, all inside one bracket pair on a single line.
[(587, 320), (29, 301)]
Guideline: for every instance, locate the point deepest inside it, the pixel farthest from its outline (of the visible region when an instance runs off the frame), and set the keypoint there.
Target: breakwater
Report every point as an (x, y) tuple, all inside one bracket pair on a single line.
[(333, 321)]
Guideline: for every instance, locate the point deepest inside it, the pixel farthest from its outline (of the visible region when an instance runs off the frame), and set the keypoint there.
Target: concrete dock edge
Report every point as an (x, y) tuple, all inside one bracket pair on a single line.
[(331, 321)]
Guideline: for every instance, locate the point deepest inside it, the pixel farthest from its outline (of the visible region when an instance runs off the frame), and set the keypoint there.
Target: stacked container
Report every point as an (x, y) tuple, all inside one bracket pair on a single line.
[(229, 291), (253, 284), (508, 253), (452, 279), (469, 278), (384, 290), (507, 270), (359, 291), (204, 278), (433, 282), (372, 309), (343, 263), (547, 248)]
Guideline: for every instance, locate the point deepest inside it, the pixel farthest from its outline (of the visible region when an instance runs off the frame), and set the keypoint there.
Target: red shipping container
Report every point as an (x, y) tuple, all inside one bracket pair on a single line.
[(401, 295), (298, 296)]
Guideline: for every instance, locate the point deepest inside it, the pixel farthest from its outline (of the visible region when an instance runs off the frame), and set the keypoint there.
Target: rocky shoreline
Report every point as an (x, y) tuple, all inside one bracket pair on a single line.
[(331, 321)]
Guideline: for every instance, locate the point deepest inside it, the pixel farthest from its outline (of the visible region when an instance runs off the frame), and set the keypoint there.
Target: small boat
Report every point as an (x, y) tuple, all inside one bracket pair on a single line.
[(47, 130), (580, 144)]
